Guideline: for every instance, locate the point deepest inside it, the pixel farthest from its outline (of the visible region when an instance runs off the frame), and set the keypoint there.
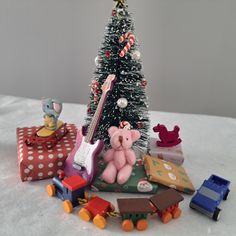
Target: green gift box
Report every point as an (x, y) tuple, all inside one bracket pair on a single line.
[(138, 182)]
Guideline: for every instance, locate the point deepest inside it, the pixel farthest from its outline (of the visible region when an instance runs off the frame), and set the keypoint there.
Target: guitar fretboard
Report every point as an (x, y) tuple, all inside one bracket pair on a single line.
[(95, 120)]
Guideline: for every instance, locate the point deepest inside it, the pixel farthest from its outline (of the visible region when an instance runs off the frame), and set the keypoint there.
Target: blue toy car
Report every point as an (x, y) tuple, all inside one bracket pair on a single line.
[(209, 195)]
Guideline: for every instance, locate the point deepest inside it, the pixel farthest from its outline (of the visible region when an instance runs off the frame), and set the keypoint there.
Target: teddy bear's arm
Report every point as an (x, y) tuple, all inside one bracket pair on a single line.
[(109, 155), (130, 157)]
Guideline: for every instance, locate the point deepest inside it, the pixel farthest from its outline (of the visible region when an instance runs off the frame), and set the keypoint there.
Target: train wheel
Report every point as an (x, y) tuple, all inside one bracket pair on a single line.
[(67, 206), (84, 214), (127, 225), (100, 221), (142, 224), (176, 213), (51, 190), (166, 217)]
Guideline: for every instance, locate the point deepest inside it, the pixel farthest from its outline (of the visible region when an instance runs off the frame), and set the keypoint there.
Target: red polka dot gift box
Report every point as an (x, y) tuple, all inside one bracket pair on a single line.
[(37, 162)]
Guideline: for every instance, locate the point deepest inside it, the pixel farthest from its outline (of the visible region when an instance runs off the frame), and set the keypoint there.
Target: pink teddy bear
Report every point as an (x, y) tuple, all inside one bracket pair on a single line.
[(120, 158)]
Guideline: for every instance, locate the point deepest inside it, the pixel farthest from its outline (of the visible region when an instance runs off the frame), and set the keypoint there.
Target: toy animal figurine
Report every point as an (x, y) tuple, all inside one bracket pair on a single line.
[(120, 158), (52, 110), (167, 138), (52, 130)]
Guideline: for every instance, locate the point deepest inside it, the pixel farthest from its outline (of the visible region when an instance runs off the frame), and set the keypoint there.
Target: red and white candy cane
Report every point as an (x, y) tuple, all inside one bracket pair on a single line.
[(131, 39), (125, 125)]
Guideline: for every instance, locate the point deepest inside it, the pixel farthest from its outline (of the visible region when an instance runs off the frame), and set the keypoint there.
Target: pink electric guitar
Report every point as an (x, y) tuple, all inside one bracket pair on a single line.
[(82, 160)]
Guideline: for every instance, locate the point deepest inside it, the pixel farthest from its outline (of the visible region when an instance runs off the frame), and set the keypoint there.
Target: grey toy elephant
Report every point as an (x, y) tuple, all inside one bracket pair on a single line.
[(52, 109)]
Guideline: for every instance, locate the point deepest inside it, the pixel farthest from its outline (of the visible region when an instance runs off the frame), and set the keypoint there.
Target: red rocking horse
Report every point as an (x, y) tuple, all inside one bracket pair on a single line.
[(167, 138)]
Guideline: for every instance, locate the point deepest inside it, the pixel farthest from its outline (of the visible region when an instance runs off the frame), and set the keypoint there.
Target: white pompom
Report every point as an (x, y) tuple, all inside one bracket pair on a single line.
[(136, 55)]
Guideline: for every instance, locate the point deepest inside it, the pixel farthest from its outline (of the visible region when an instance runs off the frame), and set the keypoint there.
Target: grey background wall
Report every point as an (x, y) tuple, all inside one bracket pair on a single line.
[(47, 48)]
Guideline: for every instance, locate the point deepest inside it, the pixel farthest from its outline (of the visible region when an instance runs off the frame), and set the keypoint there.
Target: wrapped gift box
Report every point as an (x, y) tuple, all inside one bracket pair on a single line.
[(138, 182), (172, 154), (168, 174), (38, 162)]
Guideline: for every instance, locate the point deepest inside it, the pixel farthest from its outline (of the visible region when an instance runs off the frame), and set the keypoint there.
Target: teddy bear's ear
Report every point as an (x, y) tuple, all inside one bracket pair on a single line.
[(135, 135), (112, 130)]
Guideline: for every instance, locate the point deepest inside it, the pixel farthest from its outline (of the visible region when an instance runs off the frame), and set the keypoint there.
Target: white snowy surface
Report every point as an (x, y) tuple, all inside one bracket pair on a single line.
[(209, 145)]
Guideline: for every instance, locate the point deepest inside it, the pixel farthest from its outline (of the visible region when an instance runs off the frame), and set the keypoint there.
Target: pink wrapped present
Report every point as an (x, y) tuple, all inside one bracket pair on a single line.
[(172, 154), (38, 162)]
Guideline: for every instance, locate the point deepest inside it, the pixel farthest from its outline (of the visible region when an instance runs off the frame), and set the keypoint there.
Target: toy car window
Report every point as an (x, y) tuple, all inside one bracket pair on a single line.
[(209, 193)]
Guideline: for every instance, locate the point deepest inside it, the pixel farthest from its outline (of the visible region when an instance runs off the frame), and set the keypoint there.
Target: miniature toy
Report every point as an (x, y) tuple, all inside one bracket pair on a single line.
[(52, 130), (96, 209), (120, 158), (82, 160), (68, 189), (52, 110), (167, 138), (209, 195), (134, 211), (166, 205)]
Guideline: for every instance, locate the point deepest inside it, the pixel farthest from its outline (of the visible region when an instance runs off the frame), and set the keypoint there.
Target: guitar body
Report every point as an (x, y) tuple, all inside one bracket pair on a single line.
[(83, 151)]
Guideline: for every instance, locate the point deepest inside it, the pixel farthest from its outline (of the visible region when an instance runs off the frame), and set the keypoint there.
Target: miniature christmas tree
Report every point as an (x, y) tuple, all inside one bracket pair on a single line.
[(127, 101)]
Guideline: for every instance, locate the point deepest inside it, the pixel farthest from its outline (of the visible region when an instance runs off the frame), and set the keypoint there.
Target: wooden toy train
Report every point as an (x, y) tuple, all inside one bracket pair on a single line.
[(132, 211)]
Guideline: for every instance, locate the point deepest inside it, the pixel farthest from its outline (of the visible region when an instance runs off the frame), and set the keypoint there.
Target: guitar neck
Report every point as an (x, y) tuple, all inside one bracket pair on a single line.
[(94, 123)]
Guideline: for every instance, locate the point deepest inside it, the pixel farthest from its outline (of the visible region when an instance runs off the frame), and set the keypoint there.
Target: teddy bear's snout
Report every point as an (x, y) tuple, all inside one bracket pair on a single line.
[(120, 139)]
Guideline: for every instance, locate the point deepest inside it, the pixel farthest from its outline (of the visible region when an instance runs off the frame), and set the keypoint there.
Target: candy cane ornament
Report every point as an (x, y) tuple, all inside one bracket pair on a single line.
[(130, 42)]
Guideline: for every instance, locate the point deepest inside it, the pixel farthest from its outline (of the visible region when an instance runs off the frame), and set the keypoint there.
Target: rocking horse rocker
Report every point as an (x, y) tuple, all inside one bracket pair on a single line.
[(167, 138)]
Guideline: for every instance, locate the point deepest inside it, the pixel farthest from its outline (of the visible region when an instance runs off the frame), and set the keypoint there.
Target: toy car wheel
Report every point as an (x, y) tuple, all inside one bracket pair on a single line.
[(191, 205), (100, 221), (67, 206), (51, 190), (226, 194), (166, 217), (142, 224), (176, 213), (127, 225), (84, 214), (216, 215)]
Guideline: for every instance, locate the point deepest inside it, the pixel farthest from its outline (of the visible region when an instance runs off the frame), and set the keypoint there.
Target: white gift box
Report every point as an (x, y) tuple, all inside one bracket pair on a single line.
[(172, 154)]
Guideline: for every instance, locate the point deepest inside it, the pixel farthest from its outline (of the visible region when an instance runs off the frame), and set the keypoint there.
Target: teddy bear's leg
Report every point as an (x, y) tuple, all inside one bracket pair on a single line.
[(124, 174), (109, 174)]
